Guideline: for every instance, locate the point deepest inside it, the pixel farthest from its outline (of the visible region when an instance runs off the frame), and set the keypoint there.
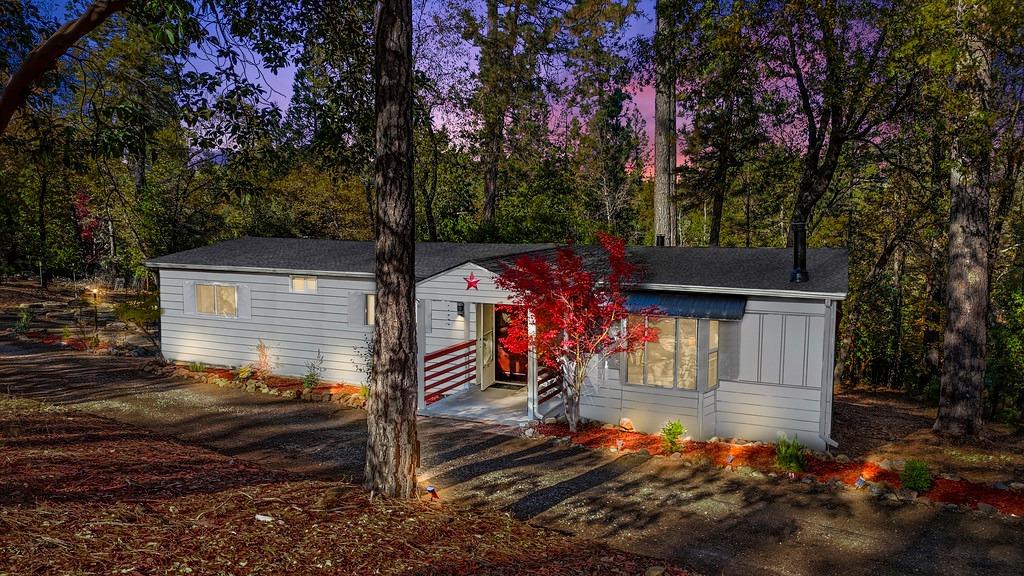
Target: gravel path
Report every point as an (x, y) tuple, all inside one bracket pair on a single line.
[(714, 521)]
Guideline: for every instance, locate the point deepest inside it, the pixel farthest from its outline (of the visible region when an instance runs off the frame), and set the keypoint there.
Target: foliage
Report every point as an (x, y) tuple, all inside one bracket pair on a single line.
[(24, 321), (264, 364), (577, 307), (916, 476), (314, 371), (244, 373), (365, 354), (672, 433), (65, 334), (141, 311), (196, 366), (789, 454)]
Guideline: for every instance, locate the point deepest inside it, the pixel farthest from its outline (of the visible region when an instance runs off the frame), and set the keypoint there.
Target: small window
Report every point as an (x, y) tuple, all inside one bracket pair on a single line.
[(370, 312), (304, 284), (217, 300)]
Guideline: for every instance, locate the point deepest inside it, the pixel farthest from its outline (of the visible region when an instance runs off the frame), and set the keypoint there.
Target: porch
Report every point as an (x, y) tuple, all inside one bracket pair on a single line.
[(454, 383)]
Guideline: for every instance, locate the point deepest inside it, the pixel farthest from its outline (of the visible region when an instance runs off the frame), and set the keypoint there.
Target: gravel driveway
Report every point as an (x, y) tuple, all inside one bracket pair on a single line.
[(714, 521)]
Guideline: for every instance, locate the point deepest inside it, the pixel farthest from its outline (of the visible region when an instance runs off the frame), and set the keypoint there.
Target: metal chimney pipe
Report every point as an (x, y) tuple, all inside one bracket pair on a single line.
[(799, 273), (659, 240)]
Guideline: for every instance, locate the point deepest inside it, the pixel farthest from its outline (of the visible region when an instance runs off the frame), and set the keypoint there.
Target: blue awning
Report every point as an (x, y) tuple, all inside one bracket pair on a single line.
[(688, 305)]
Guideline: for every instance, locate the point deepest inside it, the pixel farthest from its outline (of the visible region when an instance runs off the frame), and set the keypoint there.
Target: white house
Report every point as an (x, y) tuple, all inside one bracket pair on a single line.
[(742, 352)]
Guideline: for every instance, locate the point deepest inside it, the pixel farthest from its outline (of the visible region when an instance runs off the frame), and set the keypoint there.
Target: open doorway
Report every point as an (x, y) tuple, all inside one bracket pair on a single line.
[(511, 369)]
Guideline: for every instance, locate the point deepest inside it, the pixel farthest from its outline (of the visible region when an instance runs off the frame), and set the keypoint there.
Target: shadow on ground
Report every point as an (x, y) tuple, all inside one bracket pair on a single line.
[(711, 520)]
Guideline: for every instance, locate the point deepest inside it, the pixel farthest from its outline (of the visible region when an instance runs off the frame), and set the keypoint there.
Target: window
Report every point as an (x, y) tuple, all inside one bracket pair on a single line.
[(369, 314), (713, 355), (304, 284), (672, 361), (217, 300)]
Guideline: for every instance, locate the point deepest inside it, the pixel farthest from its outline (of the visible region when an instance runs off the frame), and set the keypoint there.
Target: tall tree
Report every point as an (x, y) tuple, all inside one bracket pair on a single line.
[(392, 446), (664, 125)]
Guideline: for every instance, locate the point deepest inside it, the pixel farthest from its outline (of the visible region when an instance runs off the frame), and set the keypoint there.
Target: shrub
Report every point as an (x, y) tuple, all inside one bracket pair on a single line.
[(24, 321), (244, 373), (196, 366), (789, 454), (671, 435), (314, 371), (263, 365), (916, 476), (65, 334), (143, 312)]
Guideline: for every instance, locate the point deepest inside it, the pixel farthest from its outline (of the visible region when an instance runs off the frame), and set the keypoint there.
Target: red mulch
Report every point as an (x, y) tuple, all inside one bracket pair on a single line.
[(762, 458), (81, 494)]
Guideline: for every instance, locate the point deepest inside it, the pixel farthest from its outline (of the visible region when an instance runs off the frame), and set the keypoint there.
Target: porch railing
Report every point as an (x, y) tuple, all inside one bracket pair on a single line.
[(448, 368), (547, 385)]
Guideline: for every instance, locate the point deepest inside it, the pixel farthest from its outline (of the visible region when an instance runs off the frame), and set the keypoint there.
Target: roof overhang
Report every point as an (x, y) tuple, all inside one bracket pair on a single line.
[(688, 305), (767, 293), (255, 270)]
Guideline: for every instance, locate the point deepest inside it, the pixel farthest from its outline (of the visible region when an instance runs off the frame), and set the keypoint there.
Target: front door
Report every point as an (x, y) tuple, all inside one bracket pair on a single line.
[(511, 368), (485, 344)]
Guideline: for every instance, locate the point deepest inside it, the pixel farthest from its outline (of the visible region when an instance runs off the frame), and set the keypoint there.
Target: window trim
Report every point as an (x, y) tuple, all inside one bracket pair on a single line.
[(369, 304), (305, 283), (216, 299)]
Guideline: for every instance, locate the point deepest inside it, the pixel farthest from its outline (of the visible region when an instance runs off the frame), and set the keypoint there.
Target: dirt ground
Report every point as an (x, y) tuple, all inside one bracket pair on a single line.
[(14, 293), (887, 426), (710, 520), (85, 494)]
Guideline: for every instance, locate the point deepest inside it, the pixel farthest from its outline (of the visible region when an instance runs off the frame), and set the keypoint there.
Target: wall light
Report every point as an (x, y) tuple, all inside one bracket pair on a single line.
[(460, 309)]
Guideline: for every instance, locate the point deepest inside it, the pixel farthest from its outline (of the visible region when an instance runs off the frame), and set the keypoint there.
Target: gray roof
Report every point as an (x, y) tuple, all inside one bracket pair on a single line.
[(737, 270), (339, 256)]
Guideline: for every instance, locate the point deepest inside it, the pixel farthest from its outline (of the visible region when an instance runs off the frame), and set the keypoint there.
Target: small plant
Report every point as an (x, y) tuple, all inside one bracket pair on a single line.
[(916, 476), (244, 373), (365, 354), (671, 434), (65, 334), (789, 454), (364, 392), (24, 321), (196, 366), (314, 371), (264, 364)]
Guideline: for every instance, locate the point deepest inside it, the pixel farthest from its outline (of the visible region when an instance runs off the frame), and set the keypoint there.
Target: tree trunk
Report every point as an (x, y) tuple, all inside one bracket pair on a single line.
[(664, 127), (428, 198), (494, 119), (44, 56), (44, 185), (572, 387), (392, 446), (964, 342)]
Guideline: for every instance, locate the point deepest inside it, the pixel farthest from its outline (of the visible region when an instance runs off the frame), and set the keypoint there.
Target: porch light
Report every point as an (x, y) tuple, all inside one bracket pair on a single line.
[(460, 309)]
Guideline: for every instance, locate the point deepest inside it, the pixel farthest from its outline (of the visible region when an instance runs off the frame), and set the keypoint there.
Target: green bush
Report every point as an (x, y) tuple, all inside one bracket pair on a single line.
[(24, 321), (197, 366), (65, 334), (314, 371), (671, 434), (789, 454), (916, 476)]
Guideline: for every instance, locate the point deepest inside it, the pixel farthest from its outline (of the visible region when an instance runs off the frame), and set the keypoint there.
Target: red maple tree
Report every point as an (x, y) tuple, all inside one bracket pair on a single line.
[(577, 309)]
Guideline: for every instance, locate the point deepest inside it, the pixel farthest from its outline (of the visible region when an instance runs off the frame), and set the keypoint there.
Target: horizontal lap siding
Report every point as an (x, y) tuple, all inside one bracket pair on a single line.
[(451, 286), (294, 326), (757, 411)]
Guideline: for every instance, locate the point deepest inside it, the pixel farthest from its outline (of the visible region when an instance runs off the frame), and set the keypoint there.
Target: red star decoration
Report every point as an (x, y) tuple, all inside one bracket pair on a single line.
[(472, 282)]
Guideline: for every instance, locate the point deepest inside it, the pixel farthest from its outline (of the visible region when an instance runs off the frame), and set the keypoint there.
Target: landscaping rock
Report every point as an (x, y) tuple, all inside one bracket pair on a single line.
[(1001, 486), (950, 477), (906, 495), (1016, 485), (643, 452), (551, 420), (714, 439), (843, 459), (675, 455), (250, 387), (655, 571), (530, 433), (987, 509), (307, 395), (626, 425)]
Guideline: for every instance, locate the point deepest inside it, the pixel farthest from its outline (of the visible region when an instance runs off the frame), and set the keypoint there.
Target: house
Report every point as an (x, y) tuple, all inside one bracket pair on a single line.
[(743, 351)]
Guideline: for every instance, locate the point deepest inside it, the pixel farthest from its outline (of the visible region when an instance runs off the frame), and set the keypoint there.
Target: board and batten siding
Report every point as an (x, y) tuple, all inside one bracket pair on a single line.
[(778, 378), (294, 326)]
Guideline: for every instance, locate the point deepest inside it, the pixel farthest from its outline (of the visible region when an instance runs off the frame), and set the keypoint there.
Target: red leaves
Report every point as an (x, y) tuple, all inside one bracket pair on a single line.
[(577, 308)]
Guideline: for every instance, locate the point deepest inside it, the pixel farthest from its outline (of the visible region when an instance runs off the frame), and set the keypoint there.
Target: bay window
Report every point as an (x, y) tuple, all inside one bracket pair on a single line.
[(673, 360)]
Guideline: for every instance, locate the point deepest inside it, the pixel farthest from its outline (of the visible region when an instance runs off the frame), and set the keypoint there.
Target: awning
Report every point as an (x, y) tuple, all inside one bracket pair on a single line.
[(689, 305)]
